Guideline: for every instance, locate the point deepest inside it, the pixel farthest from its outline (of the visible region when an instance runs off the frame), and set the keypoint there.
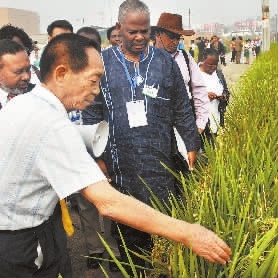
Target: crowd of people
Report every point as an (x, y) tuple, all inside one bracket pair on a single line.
[(148, 93), (241, 51)]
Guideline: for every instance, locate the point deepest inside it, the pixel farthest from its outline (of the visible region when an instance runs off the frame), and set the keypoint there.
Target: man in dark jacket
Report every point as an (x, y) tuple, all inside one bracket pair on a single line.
[(143, 96)]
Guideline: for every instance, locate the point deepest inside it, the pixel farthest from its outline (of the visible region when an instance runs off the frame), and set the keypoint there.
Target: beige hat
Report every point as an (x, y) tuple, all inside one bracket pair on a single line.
[(173, 23)]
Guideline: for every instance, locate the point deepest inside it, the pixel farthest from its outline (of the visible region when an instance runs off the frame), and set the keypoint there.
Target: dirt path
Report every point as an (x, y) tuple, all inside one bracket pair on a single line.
[(233, 72), (77, 250)]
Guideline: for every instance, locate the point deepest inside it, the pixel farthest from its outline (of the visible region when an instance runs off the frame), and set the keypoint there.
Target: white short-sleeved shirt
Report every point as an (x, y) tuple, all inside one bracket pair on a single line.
[(43, 159)]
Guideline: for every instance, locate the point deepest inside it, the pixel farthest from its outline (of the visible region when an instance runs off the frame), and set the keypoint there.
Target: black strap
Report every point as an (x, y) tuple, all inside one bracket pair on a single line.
[(185, 55)]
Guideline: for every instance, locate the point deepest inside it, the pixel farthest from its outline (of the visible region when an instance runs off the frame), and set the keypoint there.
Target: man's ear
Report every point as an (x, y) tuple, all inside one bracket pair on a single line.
[(60, 72)]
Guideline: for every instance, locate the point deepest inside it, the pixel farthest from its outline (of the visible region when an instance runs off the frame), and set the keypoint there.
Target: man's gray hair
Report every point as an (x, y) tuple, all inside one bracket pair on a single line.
[(132, 6)]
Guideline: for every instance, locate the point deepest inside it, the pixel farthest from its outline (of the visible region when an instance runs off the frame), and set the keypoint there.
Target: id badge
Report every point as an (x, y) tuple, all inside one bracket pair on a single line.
[(150, 91), (136, 113)]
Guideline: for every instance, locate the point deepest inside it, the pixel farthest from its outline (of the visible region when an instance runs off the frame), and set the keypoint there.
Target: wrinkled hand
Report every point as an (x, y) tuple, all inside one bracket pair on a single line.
[(207, 244)]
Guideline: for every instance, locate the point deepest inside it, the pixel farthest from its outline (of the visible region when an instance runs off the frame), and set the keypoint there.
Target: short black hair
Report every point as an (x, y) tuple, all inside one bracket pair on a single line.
[(209, 52), (91, 31), (8, 46), (9, 32), (59, 23), (67, 48), (109, 31)]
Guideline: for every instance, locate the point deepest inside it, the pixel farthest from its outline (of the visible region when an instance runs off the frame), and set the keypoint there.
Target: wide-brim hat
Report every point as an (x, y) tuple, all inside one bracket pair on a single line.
[(173, 23)]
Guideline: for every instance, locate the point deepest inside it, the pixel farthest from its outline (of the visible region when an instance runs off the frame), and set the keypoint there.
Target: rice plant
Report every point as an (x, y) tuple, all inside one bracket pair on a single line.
[(235, 194)]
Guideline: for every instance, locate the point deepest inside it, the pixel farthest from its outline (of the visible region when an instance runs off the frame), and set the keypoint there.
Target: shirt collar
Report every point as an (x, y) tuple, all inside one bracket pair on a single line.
[(3, 97), (48, 96), (175, 54)]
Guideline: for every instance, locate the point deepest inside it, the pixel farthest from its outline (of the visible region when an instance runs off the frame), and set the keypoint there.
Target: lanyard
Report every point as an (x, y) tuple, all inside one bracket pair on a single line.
[(133, 83)]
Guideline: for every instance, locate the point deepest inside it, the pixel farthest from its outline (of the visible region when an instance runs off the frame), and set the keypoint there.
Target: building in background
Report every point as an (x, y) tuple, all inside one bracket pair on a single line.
[(27, 20)]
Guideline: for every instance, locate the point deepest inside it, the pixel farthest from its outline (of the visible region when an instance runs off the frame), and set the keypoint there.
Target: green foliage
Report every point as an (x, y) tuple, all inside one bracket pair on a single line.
[(122, 265), (235, 194)]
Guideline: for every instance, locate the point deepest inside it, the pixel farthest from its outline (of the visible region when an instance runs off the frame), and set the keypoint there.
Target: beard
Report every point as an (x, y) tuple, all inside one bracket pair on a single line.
[(13, 91)]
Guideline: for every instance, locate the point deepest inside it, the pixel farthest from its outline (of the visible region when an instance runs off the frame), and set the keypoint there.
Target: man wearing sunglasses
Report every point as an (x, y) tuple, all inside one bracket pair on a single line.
[(167, 36)]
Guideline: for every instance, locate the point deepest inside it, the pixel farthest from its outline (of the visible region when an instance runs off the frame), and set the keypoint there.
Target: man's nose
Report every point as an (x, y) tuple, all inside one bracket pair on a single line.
[(26, 75), (96, 89)]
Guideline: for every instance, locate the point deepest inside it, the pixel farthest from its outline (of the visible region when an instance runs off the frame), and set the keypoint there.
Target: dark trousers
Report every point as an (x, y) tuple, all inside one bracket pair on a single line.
[(18, 250), (207, 137), (93, 224), (134, 240), (223, 60), (233, 58), (238, 56)]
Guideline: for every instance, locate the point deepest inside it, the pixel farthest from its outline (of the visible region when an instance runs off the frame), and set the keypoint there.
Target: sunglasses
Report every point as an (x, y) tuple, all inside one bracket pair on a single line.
[(172, 36)]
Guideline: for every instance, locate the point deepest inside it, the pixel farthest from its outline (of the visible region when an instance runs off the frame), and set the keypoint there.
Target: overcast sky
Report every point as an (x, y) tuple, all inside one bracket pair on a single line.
[(104, 12)]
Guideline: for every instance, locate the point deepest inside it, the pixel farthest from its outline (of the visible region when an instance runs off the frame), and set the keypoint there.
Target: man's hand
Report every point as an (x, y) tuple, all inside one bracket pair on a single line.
[(192, 157), (200, 130), (212, 95), (207, 244)]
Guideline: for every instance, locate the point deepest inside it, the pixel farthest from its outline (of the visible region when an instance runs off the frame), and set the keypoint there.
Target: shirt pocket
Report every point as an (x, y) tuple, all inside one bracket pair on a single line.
[(161, 105)]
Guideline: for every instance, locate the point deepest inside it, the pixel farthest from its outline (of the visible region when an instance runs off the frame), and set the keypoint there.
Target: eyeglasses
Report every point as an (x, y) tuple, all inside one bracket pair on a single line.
[(171, 35)]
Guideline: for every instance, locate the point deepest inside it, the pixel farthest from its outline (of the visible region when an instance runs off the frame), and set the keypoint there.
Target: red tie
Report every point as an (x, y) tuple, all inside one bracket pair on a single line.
[(10, 96)]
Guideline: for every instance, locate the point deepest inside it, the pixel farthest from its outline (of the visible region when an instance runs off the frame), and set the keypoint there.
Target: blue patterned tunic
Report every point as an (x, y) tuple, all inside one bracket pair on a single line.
[(137, 152)]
